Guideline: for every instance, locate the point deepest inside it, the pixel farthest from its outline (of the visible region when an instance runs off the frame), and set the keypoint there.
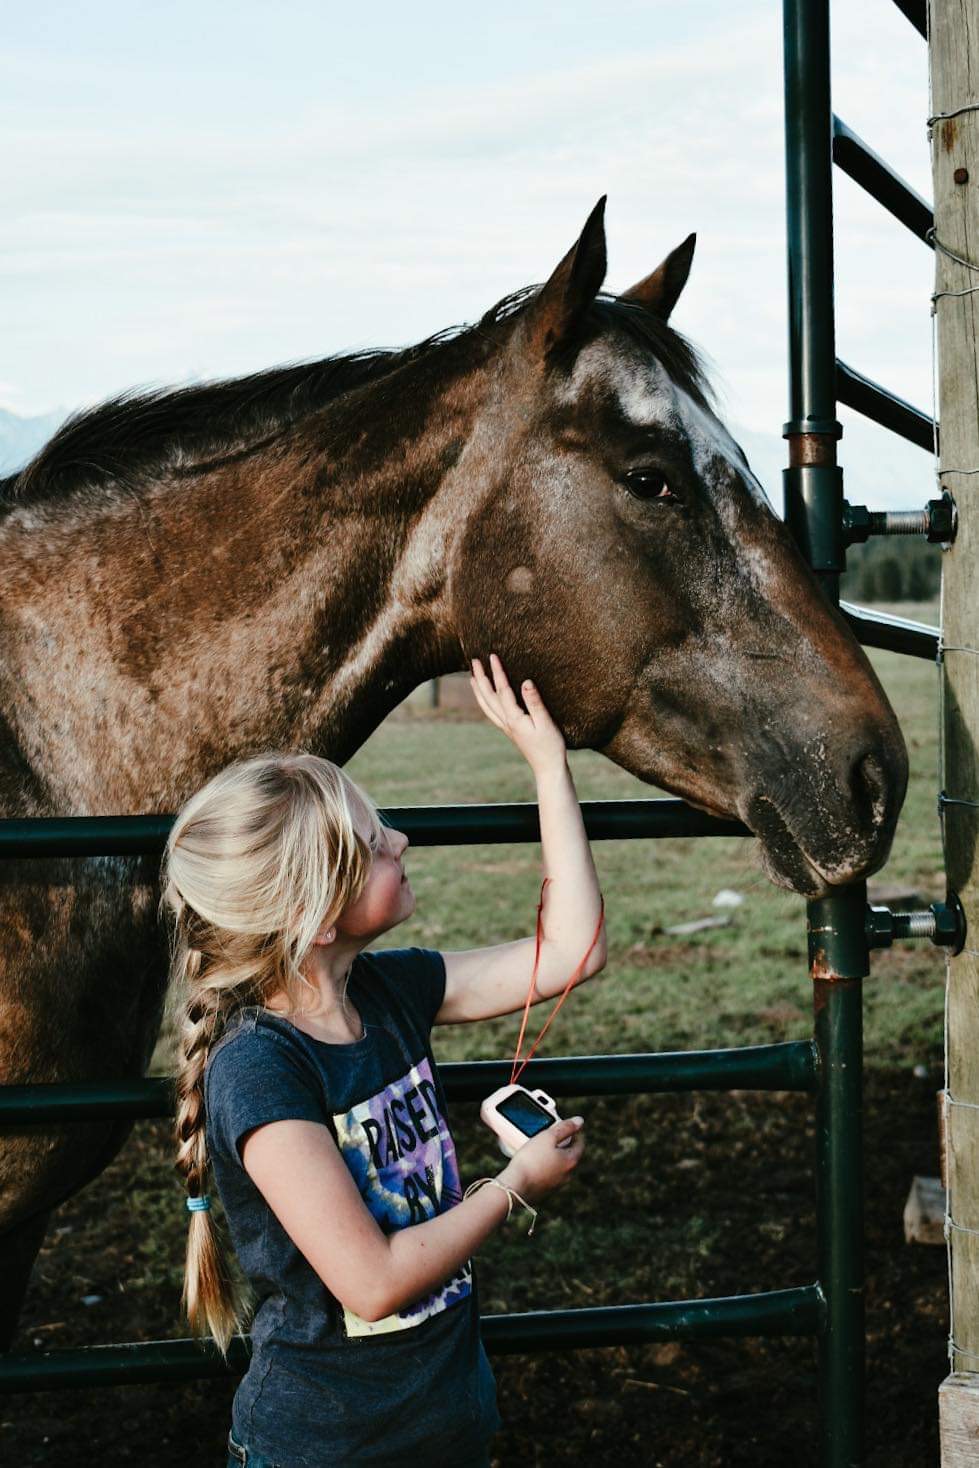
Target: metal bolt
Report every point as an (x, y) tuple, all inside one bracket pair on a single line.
[(950, 923), (857, 524), (961, 175), (915, 925), (943, 923), (899, 522), (943, 519), (937, 521), (879, 927)]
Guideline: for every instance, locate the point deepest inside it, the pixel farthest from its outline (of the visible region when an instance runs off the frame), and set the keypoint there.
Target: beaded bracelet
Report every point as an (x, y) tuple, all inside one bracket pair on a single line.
[(511, 1194)]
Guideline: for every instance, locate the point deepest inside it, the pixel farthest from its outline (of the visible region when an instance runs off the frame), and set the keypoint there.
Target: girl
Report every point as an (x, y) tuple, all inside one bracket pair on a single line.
[(307, 1083)]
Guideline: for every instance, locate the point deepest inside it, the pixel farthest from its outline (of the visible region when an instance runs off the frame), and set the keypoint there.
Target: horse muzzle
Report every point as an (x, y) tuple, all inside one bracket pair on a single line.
[(822, 828)]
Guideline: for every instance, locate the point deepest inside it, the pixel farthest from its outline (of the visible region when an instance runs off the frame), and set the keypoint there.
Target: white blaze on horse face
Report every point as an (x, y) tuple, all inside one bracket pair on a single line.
[(648, 397), (708, 439)]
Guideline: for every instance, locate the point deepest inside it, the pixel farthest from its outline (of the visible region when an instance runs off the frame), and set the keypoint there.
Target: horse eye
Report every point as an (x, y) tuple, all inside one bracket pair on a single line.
[(648, 484)]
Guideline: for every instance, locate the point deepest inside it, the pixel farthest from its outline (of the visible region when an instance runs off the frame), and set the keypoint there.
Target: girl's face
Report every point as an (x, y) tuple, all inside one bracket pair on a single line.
[(387, 898)]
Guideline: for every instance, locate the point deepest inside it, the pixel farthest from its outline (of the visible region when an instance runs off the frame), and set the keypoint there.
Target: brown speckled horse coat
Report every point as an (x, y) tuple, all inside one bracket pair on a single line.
[(192, 576)]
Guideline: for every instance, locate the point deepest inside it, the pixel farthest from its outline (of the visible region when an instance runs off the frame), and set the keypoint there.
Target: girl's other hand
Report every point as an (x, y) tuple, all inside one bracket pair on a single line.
[(535, 733)]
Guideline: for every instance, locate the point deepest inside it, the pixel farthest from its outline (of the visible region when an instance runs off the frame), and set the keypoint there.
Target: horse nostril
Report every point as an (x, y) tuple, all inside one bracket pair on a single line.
[(869, 785)]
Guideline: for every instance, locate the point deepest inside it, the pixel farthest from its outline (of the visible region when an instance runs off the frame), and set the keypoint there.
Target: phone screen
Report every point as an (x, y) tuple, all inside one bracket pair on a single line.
[(525, 1113)]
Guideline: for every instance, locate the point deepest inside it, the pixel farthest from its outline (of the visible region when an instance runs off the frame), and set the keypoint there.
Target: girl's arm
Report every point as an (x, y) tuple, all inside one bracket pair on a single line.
[(368, 1271), (483, 982)]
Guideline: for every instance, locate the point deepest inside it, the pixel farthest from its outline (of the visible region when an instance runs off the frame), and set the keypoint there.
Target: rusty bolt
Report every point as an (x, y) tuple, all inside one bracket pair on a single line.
[(961, 175)]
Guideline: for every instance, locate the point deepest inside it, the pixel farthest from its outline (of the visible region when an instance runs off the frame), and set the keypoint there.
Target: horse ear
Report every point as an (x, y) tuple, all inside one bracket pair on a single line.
[(556, 312), (660, 291)]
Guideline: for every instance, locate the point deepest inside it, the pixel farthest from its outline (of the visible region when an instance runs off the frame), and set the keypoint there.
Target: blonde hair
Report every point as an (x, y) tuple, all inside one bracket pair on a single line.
[(261, 858)]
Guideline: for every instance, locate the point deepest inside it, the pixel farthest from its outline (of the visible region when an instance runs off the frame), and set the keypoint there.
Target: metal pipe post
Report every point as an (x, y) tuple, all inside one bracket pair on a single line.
[(838, 962), (814, 513)]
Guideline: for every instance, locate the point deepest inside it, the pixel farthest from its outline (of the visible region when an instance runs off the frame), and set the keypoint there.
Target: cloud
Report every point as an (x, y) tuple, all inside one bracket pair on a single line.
[(277, 203)]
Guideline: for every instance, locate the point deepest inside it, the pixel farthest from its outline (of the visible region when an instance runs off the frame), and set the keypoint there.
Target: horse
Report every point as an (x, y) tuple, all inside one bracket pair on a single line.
[(193, 575)]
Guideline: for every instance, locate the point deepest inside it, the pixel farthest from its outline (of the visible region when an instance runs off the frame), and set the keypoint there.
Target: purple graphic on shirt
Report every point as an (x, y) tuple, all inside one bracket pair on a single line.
[(399, 1148)]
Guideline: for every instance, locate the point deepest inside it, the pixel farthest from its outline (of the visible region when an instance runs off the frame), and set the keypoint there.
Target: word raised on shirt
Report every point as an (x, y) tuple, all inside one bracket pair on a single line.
[(398, 1147)]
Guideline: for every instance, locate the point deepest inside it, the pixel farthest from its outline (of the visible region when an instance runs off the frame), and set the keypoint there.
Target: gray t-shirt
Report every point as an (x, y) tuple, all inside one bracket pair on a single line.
[(325, 1387)]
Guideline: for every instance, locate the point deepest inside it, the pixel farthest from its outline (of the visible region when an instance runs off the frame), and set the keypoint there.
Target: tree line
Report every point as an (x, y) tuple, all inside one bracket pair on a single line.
[(892, 568)]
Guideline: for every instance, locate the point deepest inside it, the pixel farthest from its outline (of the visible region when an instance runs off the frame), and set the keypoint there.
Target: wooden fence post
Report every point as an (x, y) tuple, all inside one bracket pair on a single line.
[(954, 43)]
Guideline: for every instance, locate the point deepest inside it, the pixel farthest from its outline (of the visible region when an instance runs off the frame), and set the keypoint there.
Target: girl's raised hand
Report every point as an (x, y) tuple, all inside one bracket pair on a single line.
[(535, 733)]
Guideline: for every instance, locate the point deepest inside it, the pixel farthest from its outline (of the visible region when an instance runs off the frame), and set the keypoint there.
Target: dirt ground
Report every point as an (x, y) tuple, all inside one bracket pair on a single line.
[(677, 1196)]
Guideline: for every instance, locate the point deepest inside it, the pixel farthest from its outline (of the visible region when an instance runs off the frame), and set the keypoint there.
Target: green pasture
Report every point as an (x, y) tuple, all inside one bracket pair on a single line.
[(746, 983)]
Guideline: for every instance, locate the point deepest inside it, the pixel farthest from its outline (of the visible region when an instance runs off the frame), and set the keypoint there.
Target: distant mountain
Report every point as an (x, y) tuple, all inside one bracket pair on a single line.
[(20, 438), (879, 469)]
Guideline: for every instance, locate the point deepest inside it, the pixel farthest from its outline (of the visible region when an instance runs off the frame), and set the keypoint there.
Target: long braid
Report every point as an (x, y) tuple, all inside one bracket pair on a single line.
[(214, 1301)]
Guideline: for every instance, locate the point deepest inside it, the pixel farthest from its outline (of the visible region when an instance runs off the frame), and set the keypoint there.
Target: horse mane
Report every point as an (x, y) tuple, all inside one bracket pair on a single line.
[(137, 435)]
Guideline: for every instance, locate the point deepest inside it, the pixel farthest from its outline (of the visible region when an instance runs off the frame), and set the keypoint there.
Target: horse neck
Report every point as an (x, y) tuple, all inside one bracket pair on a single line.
[(287, 595), (391, 496), (335, 541)]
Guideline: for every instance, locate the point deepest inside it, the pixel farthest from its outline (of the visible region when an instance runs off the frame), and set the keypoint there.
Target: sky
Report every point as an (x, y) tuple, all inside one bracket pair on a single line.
[(207, 189)]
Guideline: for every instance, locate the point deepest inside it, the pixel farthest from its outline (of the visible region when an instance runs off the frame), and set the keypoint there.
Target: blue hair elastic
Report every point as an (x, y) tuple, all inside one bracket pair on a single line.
[(195, 1205)]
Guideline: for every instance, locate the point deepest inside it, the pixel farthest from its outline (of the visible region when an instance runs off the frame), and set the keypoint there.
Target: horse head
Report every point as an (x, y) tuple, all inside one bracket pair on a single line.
[(623, 532)]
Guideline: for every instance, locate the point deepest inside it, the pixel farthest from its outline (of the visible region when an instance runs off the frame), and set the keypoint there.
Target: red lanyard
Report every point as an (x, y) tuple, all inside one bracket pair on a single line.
[(518, 1063)]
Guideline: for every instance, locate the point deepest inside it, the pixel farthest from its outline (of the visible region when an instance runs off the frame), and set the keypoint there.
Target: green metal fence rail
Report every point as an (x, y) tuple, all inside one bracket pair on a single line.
[(842, 930), (425, 825), (871, 172), (781, 1312), (883, 407), (916, 12), (789, 1066), (895, 634)]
